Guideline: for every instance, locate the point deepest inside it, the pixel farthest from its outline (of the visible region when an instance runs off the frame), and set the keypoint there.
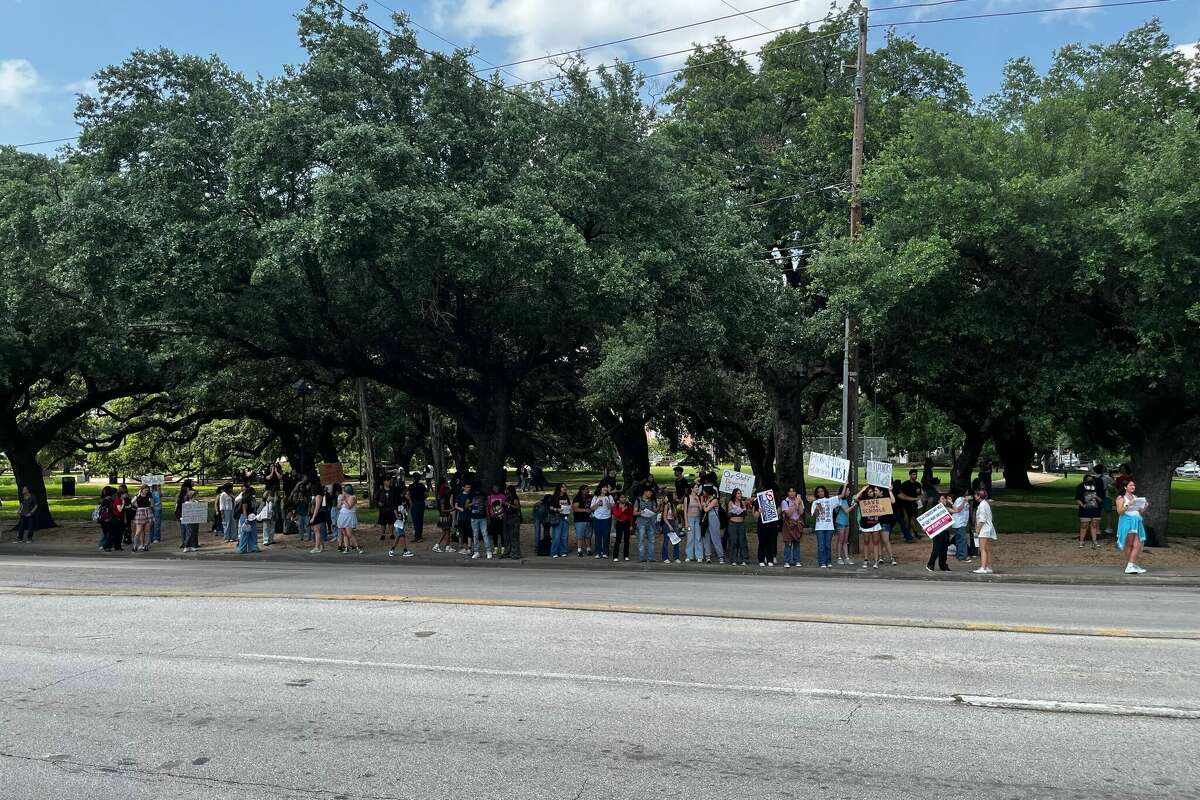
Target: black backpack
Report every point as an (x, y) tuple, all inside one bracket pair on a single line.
[(543, 541)]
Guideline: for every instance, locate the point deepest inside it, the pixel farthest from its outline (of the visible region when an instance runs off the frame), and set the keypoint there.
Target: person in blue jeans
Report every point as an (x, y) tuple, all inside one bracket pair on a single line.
[(156, 514), (601, 507), (647, 520), (477, 509), (560, 513), (960, 510), (670, 524), (694, 506), (247, 527)]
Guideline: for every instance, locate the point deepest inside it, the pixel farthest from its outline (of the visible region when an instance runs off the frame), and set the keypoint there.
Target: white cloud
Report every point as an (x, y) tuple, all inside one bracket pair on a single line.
[(537, 28), (19, 85), (85, 86), (1189, 50)]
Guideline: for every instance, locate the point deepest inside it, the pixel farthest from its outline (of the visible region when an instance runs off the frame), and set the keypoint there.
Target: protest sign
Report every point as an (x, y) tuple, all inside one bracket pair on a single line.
[(194, 513), (153, 480), (935, 520), (875, 507), (829, 467), (673, 536), (331, 473), (879, 473), (731, 479), (769, 512)]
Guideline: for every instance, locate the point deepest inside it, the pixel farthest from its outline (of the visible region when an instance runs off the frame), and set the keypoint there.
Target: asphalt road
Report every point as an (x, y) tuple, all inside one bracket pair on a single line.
[(227, 680)]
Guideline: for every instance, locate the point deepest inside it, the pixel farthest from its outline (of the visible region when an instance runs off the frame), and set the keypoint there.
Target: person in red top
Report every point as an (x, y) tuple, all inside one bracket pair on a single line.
[(622, 523)]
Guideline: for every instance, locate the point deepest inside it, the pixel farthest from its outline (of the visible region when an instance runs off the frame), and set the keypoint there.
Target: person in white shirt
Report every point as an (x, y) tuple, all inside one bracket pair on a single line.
[(985, 532), (960, 510), (602, 504), (225, 505)]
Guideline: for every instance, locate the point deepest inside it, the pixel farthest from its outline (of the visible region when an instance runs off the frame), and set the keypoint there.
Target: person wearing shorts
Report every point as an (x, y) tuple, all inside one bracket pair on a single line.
[(1089, 497), (985, 532)]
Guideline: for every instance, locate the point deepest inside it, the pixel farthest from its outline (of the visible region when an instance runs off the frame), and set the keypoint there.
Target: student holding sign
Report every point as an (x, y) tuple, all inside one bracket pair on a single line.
[(941, 540), (870, 527), (1131, 532)]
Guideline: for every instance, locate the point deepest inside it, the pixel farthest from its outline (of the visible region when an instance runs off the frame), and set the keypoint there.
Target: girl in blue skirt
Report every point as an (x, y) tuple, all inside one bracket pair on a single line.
[(1131, 533)]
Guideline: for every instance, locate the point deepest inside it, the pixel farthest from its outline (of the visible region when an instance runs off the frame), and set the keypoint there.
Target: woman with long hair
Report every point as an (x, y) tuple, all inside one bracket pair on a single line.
[(712, 511), (870, 528), (347, 521), (841, 524), (736, 510), (1131, 531), (581, 509), (622, 524), (560, 509), (142, 520), (247, 525), (512, 523), (669, 513), (189, 534), (694, 510), (602, 517)]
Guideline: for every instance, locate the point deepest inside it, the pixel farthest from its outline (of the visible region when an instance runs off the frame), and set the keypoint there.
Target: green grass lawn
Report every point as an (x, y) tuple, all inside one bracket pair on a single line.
[(1009, 519)]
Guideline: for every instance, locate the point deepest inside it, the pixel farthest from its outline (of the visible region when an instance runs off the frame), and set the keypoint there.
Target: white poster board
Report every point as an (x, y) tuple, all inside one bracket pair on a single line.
[(768, 510), (153, 480), (879, 473), (935, 520), (194, 513), (731, 479), (830, 468)]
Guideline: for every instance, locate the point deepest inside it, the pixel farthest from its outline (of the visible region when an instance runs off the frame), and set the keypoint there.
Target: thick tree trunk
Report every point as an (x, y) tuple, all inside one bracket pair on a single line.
[(459, 445), (326, 447), (789, 443), (965, 461), (28, 472), (1016, 452), (628, 434), (492, 434), (1153, 462), (761, 454)]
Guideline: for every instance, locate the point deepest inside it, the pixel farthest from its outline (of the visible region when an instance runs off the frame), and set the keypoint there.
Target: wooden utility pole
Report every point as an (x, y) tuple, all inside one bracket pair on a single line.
[(368, 449), (850, 437)]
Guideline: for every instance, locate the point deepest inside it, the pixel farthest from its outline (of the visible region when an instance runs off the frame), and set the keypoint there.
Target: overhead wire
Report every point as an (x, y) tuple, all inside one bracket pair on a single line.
[(475, 54)]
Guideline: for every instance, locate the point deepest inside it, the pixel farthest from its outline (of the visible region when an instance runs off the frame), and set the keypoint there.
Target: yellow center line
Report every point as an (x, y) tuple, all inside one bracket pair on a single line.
[(611, 608)]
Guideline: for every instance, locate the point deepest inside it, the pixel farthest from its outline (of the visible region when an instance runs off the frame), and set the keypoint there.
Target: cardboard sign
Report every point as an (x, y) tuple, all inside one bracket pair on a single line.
[(331, 474), (153, 480), (935, 520), (830, 468), (875, 507), (194, 513), (879, 473), (768, 511), (731, 480)]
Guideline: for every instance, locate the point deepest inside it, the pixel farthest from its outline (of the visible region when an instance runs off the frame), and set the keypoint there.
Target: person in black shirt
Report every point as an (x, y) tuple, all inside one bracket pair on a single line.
[(682, 486), (417, 495), (1089, 497), (388, 500), (906, 501)]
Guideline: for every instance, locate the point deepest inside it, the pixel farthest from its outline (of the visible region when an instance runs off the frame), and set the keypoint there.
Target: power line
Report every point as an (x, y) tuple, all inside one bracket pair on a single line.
[(650, 34), (436, 35), (47, 141), (744, 14)]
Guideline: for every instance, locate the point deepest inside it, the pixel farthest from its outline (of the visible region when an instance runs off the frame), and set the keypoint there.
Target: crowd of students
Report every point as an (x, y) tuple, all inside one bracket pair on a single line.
[(687, 522)]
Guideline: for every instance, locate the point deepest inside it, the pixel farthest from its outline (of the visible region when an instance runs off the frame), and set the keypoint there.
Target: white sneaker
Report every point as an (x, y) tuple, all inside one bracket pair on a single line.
[(437, 548), (476, 555), (1130, 569), (677, 561), (407, 554), (991, 571), (787, 565), (391, 553), (841, 561), (666, 561), (1139, 569), (464, 551), (489, 554), (980, 571)]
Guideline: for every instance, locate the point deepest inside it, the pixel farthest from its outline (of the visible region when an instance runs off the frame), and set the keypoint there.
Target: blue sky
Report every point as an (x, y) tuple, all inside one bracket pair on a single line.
[(49, 50)]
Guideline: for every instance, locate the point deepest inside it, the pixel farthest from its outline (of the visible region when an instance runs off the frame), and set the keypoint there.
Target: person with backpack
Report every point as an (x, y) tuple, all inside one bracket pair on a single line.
[(109, 517), (512, 523), (646, 510), (541, 526), (495, 520), (601, 507), (481, 537), (1089, 497), (462, 514)]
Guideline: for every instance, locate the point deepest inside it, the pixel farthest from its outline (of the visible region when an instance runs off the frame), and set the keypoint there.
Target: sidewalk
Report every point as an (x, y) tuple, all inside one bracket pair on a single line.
[(79, 541)]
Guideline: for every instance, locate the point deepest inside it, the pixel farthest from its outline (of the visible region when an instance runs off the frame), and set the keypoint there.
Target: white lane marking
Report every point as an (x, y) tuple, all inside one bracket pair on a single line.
[(831, 694), (977, 701), (1064, 706)]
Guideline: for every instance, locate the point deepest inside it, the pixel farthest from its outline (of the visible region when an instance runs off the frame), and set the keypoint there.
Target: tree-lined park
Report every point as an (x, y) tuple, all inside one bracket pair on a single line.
[(224, 269)]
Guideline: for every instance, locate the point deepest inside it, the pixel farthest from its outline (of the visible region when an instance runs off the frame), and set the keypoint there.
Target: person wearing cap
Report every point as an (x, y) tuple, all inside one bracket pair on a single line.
[(941, 542)]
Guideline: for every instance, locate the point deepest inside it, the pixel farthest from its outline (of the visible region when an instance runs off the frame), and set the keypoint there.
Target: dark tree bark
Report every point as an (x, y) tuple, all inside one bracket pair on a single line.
[(627, 430), (789, 443), (1155, 452), (761, 454), (966, 459), (28, 473), (1016, 452), (492, 432)]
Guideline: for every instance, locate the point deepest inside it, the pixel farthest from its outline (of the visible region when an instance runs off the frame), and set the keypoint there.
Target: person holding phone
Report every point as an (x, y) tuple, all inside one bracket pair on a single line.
[(602, 517)]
